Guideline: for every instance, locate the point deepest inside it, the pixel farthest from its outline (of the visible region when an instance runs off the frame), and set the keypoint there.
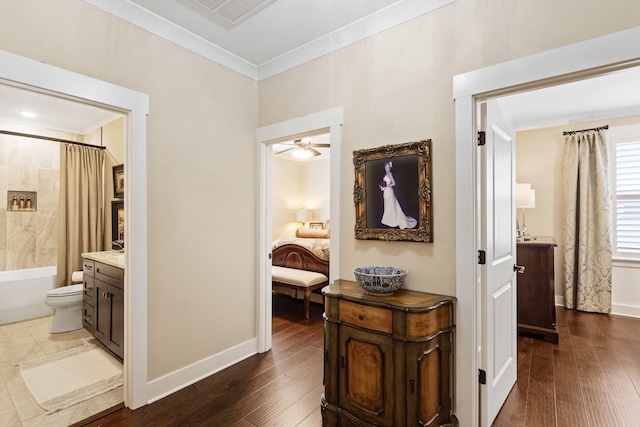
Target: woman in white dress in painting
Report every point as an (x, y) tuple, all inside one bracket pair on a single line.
[(393, 215)]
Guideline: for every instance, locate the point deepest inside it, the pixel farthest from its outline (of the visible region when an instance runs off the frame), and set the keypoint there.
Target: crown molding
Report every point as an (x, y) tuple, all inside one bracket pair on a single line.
[(391, 16)]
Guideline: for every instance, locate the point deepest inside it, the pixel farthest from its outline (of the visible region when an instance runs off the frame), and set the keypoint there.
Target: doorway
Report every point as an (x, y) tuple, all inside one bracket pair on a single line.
[(582, 60), (44, 78), (329, 121)]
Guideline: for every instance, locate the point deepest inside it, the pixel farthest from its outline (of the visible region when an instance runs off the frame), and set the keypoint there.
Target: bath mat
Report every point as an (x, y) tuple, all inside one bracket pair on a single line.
[(63, 379)]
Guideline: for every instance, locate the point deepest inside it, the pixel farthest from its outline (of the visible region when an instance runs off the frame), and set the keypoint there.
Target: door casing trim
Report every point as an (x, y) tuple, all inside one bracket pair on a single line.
[(589, 58)]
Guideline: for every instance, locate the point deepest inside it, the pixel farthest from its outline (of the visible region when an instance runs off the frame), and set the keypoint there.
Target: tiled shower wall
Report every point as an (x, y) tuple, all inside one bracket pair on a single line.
[(30, 239)]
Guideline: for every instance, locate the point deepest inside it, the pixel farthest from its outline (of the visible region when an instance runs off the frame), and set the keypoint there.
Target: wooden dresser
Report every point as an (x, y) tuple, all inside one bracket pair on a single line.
[(536, 289), (388, 360)]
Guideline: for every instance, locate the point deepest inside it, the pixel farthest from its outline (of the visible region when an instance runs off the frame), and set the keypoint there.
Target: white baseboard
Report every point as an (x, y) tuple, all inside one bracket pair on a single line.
[(177, 380), (625, 310), (618, 309)]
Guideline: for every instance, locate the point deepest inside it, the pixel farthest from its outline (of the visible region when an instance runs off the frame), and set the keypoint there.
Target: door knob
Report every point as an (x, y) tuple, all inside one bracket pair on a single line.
[(518, 268)]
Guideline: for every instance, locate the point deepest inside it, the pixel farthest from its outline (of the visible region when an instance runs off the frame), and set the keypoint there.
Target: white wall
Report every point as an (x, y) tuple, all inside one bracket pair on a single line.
[(539, 162)]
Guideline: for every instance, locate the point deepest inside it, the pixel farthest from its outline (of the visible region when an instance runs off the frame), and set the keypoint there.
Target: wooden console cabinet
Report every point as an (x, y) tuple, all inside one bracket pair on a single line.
[(104, 304), (536, 289), (388, 360)]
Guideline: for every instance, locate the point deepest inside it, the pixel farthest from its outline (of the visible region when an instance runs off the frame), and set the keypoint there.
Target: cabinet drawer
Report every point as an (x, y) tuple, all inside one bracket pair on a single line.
[(88, 267), (110, 274), (428, 323), (87, 317), (88, 288), (373, 318)]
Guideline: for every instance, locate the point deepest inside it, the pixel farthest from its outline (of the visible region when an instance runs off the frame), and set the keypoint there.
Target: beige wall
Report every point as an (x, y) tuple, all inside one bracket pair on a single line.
[(395, 87), (30, 239), (200, 166), (539, 155), (296, 185), (315, 189), (112, 136), (286, 197)]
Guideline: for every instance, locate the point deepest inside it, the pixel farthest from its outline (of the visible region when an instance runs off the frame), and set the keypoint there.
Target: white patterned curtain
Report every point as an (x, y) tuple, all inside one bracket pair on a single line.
[(586, 200)]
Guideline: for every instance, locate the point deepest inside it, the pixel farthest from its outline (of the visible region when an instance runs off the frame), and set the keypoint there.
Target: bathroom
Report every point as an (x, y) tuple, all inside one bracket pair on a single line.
[(29, 236)]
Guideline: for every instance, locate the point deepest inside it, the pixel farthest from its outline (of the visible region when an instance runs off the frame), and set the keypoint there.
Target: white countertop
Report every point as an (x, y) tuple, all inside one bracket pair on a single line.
[(113, 258)]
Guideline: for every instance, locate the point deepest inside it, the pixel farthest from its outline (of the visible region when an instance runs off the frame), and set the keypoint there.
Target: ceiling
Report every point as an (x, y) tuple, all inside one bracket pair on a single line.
[(599, 98), (280, 35), (285, 33)]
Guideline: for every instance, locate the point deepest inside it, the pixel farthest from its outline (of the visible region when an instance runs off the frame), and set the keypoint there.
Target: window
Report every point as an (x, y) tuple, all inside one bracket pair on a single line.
[(626, 197)]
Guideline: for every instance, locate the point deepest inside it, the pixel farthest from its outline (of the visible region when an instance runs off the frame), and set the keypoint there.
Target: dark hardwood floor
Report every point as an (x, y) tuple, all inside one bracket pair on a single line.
[(591, 378), (279, 388)]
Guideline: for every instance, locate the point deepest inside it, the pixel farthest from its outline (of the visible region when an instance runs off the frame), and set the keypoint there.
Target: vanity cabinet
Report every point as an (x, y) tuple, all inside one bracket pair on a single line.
[(88, 312), (388, 360), (107, 305), (536, 288)]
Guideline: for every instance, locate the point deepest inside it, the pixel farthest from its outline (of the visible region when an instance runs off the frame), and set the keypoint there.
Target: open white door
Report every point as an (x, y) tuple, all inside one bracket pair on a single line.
[(498, 353)]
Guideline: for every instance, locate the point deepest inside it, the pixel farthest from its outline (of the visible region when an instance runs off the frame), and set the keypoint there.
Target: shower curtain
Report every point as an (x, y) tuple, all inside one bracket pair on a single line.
[(81, 214), (587, 259)]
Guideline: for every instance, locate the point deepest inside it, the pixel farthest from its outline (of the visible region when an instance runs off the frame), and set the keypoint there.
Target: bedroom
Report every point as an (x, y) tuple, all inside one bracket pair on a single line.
[(301, 211)]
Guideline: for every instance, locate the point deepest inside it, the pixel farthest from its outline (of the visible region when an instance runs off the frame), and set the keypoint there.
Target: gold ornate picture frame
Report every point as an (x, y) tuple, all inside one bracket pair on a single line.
[(392, 192)]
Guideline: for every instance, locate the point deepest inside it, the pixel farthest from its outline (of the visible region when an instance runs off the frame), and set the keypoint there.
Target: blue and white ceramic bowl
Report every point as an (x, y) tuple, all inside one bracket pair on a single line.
[(380, 280)]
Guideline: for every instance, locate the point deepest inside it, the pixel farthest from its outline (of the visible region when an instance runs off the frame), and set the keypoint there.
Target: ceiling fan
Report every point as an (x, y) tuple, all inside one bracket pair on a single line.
[(303, 148)]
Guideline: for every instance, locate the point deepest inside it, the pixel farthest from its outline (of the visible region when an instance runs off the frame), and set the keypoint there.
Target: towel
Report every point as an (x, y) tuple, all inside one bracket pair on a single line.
[(76, 277)]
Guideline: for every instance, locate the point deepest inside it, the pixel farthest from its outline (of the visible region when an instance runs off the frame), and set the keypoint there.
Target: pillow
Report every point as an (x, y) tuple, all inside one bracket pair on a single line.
[(307, 232)]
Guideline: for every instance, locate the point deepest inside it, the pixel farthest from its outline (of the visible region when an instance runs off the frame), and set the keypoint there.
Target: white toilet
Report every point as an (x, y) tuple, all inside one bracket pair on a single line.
[(67, 303)]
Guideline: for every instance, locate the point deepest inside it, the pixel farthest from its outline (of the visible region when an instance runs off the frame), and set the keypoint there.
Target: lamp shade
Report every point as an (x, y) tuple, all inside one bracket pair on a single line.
[(522, 195), (531, 199), (303, 215)]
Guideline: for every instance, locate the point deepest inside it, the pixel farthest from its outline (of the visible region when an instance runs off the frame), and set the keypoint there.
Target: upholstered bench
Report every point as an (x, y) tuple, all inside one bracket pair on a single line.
[(305, 281)]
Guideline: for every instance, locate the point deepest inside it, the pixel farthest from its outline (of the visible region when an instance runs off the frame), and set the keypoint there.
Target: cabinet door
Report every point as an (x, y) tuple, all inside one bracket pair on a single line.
[(536, 289), (115, 341), (102, 311), (366, 375), (428, 382)]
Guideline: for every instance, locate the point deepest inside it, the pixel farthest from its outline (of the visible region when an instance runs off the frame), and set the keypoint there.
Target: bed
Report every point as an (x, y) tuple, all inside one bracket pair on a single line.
[(300, 266)]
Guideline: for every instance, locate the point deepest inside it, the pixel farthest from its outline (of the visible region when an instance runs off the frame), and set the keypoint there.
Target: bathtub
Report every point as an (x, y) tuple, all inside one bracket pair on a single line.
[(22, 293)]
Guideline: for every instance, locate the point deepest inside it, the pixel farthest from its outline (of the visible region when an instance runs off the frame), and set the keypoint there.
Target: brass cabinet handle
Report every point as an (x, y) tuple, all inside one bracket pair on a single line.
[(413, 386)]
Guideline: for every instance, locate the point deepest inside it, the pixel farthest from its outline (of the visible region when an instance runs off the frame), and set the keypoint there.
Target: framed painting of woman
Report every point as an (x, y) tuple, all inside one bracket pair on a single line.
[(392, 192)]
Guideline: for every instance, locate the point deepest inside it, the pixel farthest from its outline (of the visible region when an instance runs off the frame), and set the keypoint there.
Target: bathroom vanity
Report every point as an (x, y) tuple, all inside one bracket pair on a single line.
[(103, 305)]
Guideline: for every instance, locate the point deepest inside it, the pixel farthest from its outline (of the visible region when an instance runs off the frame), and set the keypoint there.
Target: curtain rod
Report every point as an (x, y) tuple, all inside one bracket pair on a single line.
[(571, 132), (48, 138)]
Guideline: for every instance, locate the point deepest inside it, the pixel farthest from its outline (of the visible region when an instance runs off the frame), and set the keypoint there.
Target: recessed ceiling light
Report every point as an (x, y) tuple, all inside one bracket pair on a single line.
[(28, 114)]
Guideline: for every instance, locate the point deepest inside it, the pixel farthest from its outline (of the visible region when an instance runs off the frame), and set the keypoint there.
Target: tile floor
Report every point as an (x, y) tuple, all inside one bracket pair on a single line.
[(27, 340)]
